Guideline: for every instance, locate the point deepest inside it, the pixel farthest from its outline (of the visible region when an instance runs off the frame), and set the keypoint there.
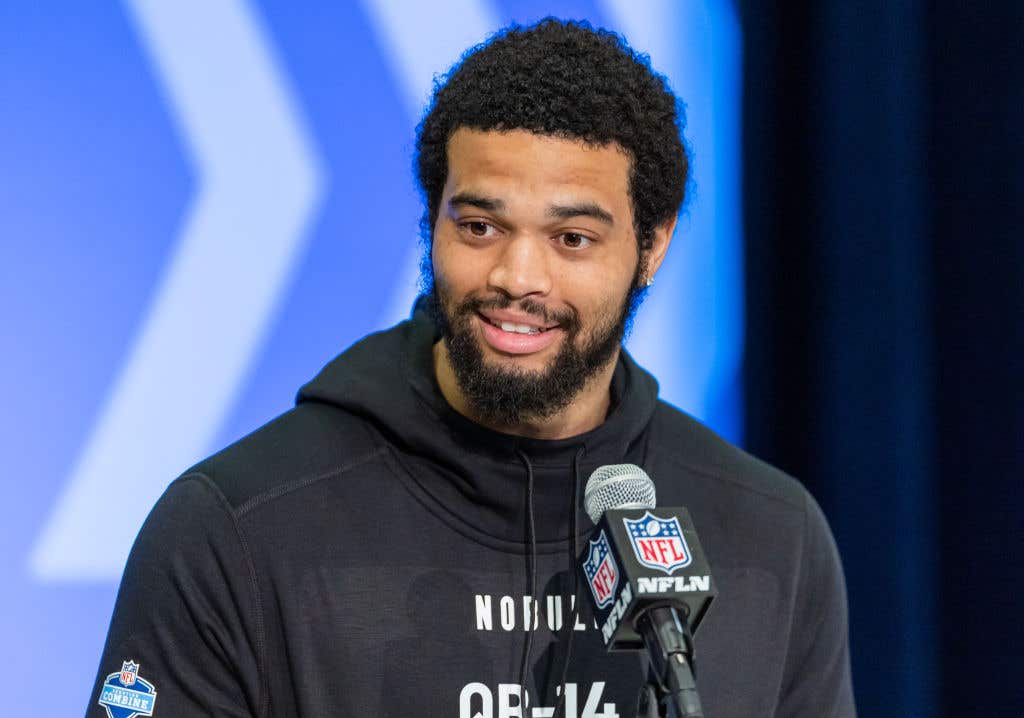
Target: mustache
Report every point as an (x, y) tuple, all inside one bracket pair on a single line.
[(566, 318)]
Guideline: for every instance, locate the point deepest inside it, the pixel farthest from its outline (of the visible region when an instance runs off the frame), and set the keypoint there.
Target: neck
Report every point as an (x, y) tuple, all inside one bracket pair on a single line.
[(585, 412)]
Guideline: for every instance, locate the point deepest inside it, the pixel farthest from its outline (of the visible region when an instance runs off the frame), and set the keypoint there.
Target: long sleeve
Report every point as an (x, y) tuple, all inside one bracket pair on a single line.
[(817, 683), (187, 619)]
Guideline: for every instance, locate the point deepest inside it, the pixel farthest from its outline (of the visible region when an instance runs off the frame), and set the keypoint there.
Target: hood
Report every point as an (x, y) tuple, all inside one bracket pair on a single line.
[(476, 475)]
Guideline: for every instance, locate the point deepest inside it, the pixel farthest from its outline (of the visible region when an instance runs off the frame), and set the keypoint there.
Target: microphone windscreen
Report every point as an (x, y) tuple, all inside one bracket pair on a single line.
[(617, 486)]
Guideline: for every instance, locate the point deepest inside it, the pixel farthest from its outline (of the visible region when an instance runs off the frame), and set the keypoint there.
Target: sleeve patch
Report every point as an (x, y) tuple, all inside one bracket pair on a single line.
[(126, 694)]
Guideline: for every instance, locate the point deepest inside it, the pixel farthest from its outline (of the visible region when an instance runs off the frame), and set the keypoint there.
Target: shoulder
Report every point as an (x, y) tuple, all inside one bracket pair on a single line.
[(741, 504), (771, 552), (307, 443), (684, 441), (200, 524)]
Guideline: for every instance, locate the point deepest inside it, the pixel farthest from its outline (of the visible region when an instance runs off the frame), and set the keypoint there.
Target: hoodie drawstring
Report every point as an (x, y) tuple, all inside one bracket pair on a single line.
[(531, 528), (573, 552)]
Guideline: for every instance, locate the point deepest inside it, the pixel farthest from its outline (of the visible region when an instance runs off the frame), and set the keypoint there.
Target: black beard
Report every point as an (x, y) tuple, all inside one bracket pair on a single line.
[(507, 397)]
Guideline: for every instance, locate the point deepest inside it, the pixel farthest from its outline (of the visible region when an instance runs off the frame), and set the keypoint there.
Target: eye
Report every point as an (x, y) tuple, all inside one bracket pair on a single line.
[(478, 228), (572, 240)]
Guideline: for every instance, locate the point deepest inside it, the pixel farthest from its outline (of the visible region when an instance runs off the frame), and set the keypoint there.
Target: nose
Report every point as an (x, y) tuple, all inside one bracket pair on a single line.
[(522, 268)]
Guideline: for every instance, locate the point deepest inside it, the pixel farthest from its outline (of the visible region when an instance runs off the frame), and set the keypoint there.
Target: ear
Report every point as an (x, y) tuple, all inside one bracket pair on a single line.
[(654, 256)]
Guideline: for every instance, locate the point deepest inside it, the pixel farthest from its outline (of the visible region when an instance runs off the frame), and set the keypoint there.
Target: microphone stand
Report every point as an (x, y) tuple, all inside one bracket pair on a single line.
[(670, 678)]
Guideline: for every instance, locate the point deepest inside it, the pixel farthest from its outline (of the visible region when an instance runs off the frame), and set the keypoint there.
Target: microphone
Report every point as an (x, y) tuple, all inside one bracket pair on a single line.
[(650, 585)]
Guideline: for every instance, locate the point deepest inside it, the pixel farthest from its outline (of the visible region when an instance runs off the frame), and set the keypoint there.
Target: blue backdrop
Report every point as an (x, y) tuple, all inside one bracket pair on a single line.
[(203, 202)]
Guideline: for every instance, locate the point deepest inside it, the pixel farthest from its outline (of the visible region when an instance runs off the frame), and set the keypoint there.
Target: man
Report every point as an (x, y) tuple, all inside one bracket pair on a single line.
[(403, 541)]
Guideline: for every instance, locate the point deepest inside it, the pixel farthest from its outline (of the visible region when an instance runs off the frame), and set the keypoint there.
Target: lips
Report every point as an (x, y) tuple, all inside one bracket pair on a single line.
[(525, 336)]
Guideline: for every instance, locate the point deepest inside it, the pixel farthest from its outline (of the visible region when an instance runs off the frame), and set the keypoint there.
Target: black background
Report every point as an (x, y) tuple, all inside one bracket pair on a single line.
[(883, 186)]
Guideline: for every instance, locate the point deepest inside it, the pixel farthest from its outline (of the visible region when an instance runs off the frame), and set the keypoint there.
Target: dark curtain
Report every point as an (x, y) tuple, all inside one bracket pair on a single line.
[(883, 193)]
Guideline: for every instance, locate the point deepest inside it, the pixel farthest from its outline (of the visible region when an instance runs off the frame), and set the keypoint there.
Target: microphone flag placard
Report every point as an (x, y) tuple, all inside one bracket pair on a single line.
[(639, 558)]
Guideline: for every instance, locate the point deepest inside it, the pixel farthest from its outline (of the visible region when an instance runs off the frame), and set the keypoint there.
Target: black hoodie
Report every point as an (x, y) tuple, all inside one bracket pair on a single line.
[(367, 554)]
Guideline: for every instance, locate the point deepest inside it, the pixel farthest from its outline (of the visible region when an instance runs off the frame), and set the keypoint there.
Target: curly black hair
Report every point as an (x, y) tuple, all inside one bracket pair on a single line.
[(565, 79)]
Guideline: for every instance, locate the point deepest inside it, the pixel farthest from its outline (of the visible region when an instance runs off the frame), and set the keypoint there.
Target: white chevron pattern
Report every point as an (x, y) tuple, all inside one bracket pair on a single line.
[(258, 185)]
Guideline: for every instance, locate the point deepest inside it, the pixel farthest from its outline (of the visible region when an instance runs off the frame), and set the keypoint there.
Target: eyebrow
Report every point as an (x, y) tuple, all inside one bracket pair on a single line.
[(583, 209), (469, 199), (558, 211)]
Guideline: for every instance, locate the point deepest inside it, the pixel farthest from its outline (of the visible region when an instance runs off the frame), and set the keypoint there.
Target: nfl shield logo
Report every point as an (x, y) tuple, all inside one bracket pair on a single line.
[(129, 672), (658, 543), (601, 571)]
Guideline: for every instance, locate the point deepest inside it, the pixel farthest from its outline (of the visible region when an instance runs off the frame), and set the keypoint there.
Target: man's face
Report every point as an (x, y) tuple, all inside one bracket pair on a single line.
[(535, 260)]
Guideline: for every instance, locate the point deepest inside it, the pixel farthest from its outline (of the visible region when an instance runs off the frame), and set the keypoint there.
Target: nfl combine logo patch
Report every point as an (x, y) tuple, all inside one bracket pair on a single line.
[(125, 694), (658, 543), (601, 571)]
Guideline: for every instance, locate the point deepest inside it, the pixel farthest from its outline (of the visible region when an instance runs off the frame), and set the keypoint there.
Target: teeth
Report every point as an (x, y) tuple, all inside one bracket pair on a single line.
[(518, 328)]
